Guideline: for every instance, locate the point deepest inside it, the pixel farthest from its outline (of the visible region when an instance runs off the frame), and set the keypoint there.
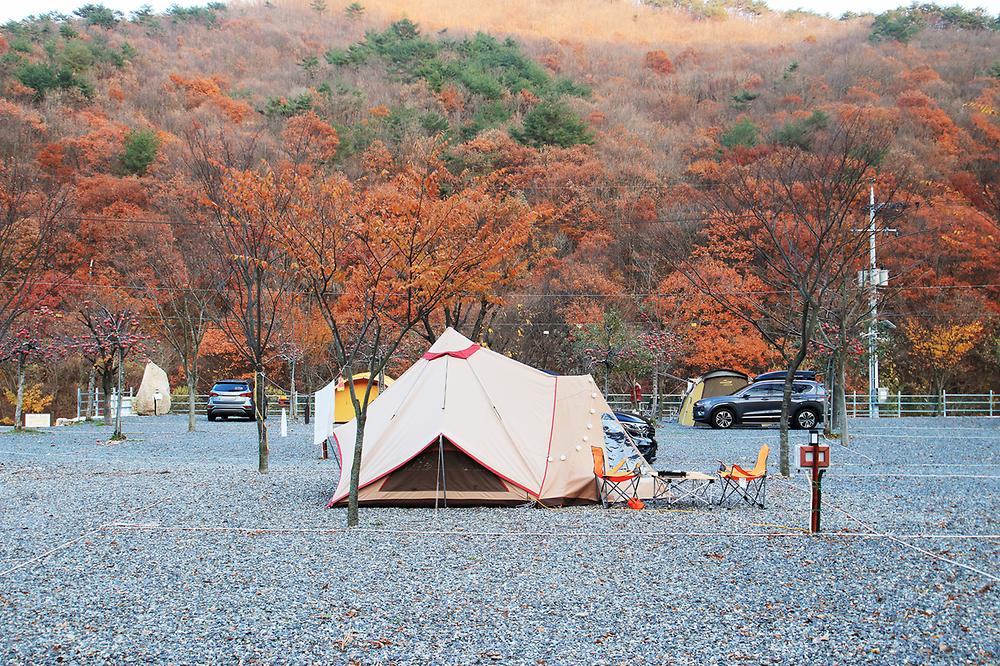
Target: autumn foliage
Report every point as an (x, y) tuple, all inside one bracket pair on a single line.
[(523, 175)]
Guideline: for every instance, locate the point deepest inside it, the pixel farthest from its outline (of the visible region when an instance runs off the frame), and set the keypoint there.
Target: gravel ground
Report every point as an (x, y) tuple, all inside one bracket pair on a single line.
[(169, 547)]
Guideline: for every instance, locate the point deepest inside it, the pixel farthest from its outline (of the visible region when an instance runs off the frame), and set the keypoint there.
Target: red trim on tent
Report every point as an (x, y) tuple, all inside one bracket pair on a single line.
[(462, 353), (552, 429), (336, 499)]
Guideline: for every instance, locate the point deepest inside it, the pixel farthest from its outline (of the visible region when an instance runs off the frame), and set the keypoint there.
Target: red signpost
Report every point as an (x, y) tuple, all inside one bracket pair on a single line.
[(814, 457)]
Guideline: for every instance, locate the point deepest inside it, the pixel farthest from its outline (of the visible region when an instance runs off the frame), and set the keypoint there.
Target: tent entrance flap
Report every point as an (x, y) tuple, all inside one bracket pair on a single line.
[(461, 474)]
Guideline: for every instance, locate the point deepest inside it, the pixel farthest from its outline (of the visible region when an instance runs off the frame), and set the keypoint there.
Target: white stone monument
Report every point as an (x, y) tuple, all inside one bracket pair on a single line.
[(153, 398)]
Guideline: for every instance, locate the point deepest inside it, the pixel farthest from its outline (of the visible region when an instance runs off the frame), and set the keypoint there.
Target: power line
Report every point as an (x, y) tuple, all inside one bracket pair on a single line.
[(632, 295)]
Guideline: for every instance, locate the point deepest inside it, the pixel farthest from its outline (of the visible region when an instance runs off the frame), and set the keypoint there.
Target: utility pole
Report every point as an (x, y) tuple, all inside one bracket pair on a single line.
[(873, 280)]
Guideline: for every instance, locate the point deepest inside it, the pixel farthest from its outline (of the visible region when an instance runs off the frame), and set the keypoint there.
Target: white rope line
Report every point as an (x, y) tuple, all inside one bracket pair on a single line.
[(46, 554), (995, 438), (898, 539), (917, 476), (905, 466), (418, 532)]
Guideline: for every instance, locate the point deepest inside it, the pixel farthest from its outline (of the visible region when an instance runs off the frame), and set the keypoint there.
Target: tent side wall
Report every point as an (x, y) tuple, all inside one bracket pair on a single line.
[(685, 415)]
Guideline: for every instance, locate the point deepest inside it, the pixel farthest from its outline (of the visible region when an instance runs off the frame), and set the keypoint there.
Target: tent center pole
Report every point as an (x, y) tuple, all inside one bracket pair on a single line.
[(444, 479)]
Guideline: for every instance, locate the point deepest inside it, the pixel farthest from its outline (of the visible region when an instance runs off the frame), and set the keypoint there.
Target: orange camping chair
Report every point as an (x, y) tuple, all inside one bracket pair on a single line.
[(747, 486), (615, 485)]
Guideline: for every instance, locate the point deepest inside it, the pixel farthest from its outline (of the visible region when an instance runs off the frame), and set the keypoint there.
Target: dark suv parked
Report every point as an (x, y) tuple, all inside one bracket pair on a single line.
[(760, 402), (642, 431), (231, 397)]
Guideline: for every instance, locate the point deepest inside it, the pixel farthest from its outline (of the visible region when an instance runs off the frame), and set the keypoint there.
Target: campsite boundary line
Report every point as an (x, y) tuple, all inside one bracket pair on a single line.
[(899, 539), (917, 476), (140, 527), (52, 551)]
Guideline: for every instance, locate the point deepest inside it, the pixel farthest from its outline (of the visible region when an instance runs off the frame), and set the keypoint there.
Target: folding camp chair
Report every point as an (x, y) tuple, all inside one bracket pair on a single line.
[(735, 476), (614, 483)]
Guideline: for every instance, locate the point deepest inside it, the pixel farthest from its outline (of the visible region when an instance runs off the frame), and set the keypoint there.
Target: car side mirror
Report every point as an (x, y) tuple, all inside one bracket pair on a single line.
[(746, 396)]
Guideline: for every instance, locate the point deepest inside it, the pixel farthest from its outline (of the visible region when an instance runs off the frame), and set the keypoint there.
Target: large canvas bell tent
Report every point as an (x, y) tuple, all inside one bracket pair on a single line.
[(709, 385), (468, 426)]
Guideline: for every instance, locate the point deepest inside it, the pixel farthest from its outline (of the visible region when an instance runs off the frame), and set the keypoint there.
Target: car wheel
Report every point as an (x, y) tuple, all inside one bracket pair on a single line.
[(723, 418), (806, 419), (211, 417)]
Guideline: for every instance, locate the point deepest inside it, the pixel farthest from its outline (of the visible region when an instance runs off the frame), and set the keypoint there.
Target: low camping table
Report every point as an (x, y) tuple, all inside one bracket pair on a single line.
[(675, 487)]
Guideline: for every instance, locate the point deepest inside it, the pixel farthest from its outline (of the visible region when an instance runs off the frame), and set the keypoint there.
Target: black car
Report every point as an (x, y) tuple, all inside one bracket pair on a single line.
[(760, 402), (809, 375), (642, 431), (231, 397)]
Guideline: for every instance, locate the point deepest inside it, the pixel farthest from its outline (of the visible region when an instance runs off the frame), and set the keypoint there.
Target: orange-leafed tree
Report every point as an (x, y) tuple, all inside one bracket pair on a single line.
[(32, 203), (381, 254), (791, 213), (249, 208), (714, 337), (939, 349)]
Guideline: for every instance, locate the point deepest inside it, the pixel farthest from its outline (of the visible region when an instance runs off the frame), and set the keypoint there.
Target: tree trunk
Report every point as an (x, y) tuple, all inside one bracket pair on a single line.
[(359, 439), (607, 378), (806, 330), (106, 381), (840, 400), (832, 419), (91, 403), (118, 403), (19, 406), (192, 382), (786, 403), (293, 406), (259, 411), (656, 388)]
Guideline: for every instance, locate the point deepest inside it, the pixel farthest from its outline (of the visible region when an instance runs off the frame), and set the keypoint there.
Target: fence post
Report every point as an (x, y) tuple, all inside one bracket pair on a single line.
[(991, 402), (899, 403), (944, 403)]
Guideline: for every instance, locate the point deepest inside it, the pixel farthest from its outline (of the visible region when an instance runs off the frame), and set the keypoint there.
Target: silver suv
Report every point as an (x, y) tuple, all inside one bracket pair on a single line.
[(231, 397)]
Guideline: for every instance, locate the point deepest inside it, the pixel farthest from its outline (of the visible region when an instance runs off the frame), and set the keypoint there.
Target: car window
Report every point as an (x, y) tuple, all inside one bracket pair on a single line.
[(627, 418), (231, 386), (802, 388), (759, 391)]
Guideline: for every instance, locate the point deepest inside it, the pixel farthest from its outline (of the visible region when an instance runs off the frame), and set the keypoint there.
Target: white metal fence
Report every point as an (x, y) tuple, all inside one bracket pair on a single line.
[(94, 404), (945, 404), (896, 405), (178, 403), (669, 403)]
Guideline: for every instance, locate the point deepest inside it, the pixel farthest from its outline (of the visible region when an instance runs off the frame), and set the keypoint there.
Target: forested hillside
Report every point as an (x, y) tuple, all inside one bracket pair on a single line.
[(603, 131)]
